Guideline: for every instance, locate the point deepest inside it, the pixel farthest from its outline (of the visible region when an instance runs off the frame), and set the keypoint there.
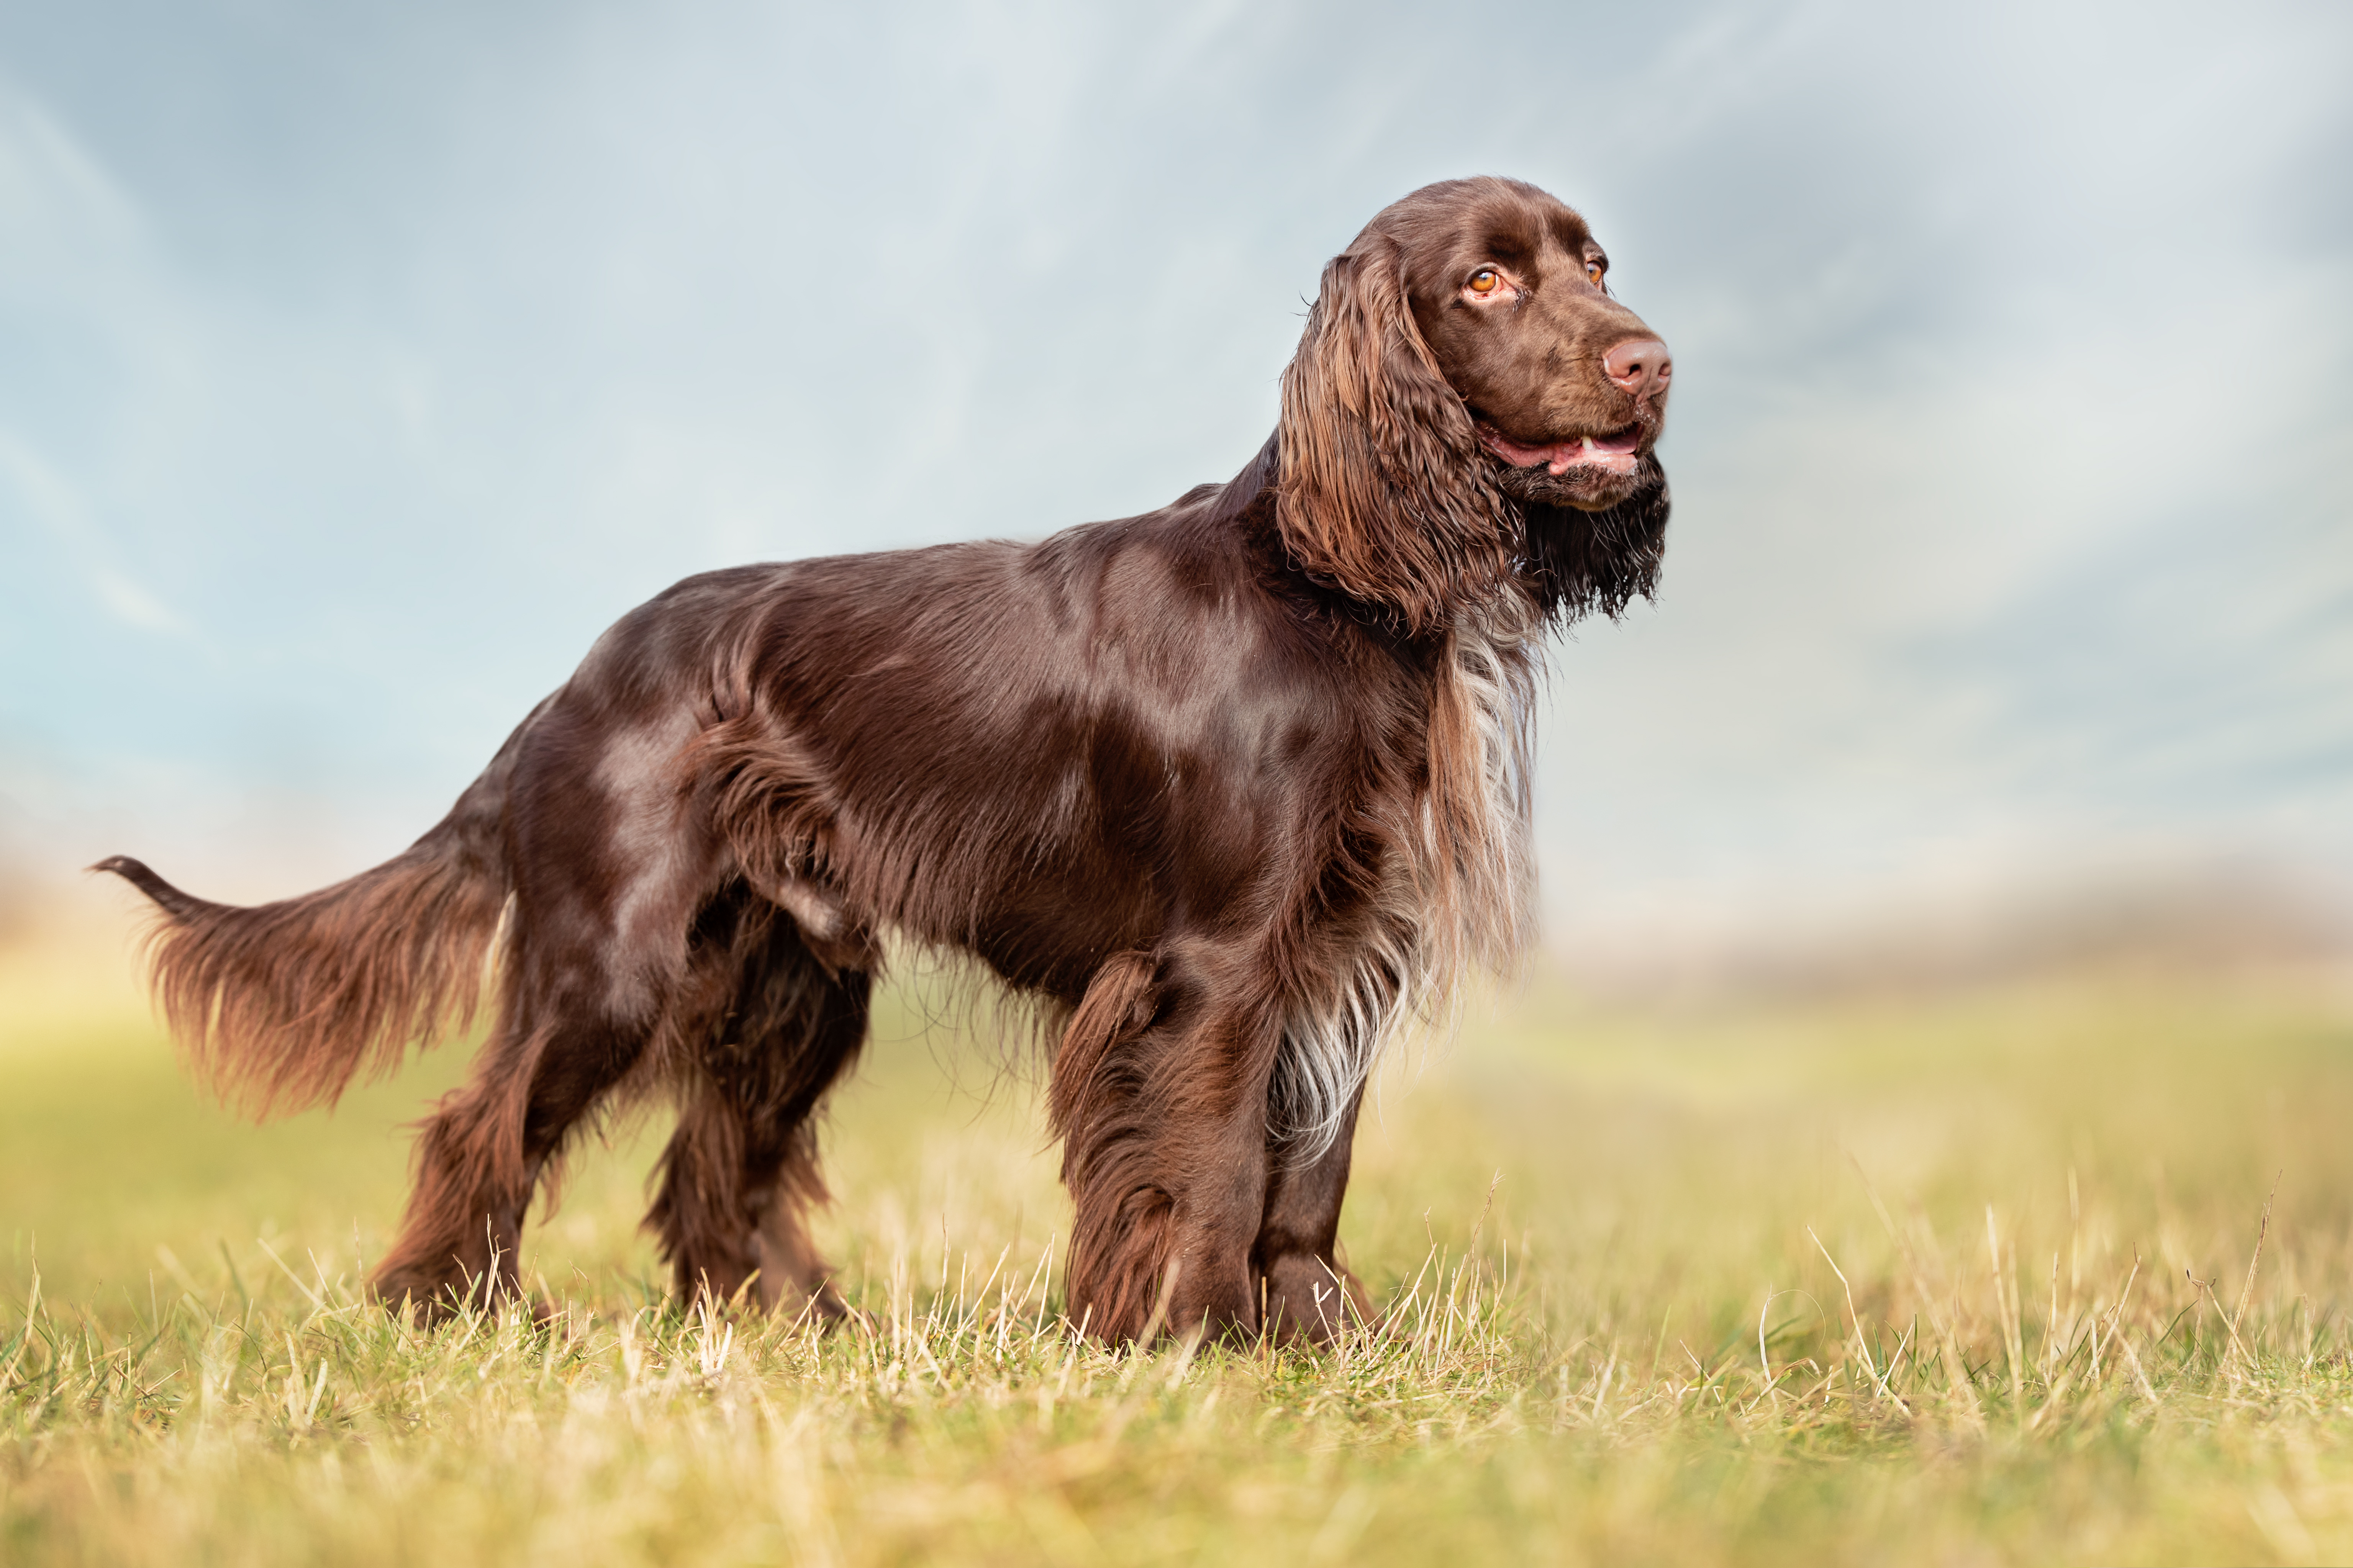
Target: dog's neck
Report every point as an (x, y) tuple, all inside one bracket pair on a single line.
[(1572, 563)]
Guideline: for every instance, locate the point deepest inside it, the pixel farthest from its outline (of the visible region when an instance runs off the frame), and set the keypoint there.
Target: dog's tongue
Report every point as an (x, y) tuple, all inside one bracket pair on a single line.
[(1558, 457), (1555, 458)]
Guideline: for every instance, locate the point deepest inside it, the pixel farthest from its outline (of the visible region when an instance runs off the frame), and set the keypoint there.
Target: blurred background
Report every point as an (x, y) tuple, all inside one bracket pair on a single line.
[(358, 364)]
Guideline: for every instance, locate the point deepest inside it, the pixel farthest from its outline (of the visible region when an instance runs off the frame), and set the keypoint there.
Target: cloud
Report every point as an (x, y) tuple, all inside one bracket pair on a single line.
[(398, 353), (50, 500)]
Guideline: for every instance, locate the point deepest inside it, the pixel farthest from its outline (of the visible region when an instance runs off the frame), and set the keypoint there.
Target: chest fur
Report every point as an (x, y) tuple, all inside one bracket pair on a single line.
[(1456, 885)]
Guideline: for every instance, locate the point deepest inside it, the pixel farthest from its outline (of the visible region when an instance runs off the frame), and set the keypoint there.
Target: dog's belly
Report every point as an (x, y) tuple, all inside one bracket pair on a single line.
[(1045, 918)]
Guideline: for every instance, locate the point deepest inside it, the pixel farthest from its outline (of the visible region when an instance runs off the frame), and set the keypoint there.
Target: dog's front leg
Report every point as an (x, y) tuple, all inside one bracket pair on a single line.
[(1305, 1292), (1161, 1100), (1214, 1220)]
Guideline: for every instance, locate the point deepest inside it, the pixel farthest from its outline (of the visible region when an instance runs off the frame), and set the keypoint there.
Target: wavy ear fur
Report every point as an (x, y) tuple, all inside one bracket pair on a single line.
[(1384, 492)]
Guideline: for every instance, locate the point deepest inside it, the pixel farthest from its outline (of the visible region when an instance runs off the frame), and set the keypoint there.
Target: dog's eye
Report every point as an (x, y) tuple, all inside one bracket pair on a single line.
[(1593, 270), (1485, 280)]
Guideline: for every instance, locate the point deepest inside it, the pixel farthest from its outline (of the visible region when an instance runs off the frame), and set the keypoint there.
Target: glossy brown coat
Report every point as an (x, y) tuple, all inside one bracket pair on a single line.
[(1226, 790)]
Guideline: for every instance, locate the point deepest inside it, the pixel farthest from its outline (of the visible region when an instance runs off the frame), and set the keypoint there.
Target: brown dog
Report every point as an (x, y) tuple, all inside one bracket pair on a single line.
[(1228, 789)]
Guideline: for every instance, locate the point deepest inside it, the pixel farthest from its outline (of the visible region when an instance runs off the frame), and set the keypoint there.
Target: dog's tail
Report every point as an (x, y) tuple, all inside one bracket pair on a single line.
[(280, 1006)]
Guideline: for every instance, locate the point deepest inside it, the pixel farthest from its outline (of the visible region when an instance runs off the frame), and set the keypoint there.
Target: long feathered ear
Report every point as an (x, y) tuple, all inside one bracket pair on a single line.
[(1384, 491)]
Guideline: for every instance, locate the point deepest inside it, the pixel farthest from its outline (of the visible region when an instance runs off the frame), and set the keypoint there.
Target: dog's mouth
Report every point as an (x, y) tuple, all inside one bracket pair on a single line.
[(1616, 452)]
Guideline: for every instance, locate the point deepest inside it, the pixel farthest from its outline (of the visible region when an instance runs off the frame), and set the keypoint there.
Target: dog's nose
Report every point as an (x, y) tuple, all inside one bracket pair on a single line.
[(1640, 366)]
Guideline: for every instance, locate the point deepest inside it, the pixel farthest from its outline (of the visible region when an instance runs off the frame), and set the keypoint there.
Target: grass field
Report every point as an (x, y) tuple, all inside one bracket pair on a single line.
[(1962, 1279)]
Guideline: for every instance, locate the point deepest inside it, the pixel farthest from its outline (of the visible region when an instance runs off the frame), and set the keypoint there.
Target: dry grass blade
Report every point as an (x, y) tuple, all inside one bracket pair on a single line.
[(1497, 1409), (2247, 1290), (1854, 1322)]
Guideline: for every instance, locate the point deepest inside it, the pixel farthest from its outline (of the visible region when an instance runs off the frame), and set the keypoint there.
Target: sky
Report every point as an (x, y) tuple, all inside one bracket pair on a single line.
[(360, 363)]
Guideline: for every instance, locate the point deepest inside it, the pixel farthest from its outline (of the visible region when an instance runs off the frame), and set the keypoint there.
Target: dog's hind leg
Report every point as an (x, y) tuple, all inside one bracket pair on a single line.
[(741, 1171), (557, 1049), (609, 867), (483, 1150)]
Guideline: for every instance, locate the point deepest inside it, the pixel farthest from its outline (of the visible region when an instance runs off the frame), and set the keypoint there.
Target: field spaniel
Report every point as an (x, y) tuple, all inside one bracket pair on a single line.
[(1226, 791)]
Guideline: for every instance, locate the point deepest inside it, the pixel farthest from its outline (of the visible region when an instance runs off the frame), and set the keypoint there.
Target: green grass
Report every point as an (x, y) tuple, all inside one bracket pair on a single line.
[(1614, 1238)]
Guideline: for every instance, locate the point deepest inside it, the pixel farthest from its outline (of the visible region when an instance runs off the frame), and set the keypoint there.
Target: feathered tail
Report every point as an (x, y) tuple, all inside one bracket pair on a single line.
[(280, 1006)]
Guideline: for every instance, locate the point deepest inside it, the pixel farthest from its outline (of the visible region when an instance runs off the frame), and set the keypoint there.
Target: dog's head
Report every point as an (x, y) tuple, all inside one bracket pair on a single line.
[(1469, 405)]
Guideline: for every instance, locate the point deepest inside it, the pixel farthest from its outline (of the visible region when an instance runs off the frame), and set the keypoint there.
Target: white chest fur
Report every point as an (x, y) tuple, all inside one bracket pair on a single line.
[(1456, 891)]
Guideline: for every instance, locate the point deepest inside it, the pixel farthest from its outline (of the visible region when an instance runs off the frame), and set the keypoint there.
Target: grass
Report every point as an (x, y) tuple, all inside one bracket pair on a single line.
[(2050, 1272)]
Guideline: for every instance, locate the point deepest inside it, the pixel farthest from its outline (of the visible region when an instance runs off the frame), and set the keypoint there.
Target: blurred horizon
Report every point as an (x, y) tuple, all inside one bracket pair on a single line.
[(358, 367)]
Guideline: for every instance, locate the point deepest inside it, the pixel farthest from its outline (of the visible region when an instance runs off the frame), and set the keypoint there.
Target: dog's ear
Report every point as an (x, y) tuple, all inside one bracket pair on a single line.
[(1384, 490)]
